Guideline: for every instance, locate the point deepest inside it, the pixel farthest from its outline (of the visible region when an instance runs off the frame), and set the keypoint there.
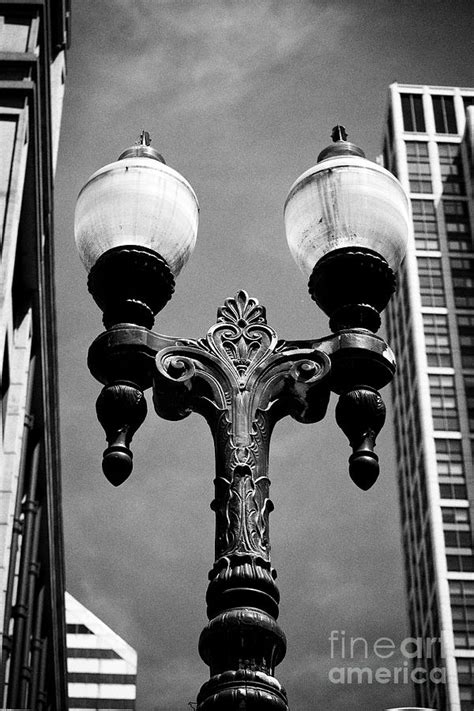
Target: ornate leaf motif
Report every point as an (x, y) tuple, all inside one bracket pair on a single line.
[(245, 507), (242, 500), (241, 310), (241, 335)]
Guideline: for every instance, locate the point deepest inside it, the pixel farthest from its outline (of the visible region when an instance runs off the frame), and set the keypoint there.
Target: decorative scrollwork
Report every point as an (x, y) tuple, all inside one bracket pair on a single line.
[(172, 393), (177, 368), (241, 336), (306, 370)]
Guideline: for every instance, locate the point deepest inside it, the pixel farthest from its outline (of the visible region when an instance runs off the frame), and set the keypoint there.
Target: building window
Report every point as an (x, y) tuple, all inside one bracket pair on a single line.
[(425, 224), (438, 349), (466, 695), (452, 491), (449, 459), (460, 561), (457, 226), (419, 171), (462, 272), (444, 115), (458, 539), (431, 281), (462, 592), (469, 385), (96, 653), (463, 625), (462, 606), (412, 110), (463, 628), (100, 678), (455, 515), (465, 667), (466, 339), (443, 402), (84, 702), (452, 174), (77, 629)]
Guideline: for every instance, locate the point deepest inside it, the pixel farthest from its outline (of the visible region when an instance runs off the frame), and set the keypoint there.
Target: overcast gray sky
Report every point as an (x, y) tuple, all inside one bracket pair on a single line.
[(240, 97)]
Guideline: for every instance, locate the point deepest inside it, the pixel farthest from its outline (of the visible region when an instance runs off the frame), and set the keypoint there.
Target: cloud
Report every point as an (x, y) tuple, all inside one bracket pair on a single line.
[(204, 54)]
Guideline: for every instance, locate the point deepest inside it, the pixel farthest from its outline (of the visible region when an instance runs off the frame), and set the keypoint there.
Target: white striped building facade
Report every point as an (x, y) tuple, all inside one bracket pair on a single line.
[(102, 667)]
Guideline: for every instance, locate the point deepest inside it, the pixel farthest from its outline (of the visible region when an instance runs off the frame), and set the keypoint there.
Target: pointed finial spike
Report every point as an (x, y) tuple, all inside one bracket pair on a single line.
[(339, 133), (144, 139)]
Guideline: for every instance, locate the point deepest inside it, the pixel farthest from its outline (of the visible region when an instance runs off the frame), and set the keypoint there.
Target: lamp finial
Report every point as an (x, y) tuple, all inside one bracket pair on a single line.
[(142, 149), (340, 146), (144, 139), (339, 133)]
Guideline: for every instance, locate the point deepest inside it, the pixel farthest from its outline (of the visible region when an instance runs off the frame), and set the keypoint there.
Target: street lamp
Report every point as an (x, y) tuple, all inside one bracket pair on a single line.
[(347, 226)]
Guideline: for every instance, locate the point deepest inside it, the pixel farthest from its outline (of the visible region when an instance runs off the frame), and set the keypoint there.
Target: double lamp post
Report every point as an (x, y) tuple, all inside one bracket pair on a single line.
[(347, 223)]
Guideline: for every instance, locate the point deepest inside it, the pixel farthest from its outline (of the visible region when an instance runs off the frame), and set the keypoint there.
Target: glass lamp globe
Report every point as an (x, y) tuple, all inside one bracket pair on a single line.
[(135, 227), (347, 225)]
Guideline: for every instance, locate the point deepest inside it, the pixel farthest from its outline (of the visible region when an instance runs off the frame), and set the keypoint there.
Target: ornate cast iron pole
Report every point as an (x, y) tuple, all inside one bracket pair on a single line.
[(242, 379)]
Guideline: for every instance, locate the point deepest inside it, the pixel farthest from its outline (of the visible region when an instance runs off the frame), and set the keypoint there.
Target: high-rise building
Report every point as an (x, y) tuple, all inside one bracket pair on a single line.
[(428, 145), (33, 41), (102, 667)]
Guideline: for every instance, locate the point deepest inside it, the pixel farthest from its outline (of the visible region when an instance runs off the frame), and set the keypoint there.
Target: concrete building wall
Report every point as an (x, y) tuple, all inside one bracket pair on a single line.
[(33, 38)]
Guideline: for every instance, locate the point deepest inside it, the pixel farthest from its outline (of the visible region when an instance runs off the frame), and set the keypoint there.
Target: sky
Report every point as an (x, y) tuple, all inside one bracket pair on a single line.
[(239, 97)]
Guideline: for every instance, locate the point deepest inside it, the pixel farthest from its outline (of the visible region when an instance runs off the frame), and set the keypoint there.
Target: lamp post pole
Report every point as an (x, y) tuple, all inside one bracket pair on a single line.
[(242, 378)]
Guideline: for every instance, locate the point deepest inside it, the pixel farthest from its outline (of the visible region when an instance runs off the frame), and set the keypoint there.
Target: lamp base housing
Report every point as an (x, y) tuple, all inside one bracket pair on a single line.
[(131, 284), (352, 285)]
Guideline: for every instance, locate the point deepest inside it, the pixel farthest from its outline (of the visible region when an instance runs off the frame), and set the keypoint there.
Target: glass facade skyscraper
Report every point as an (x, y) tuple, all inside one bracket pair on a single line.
[(428, 145)]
